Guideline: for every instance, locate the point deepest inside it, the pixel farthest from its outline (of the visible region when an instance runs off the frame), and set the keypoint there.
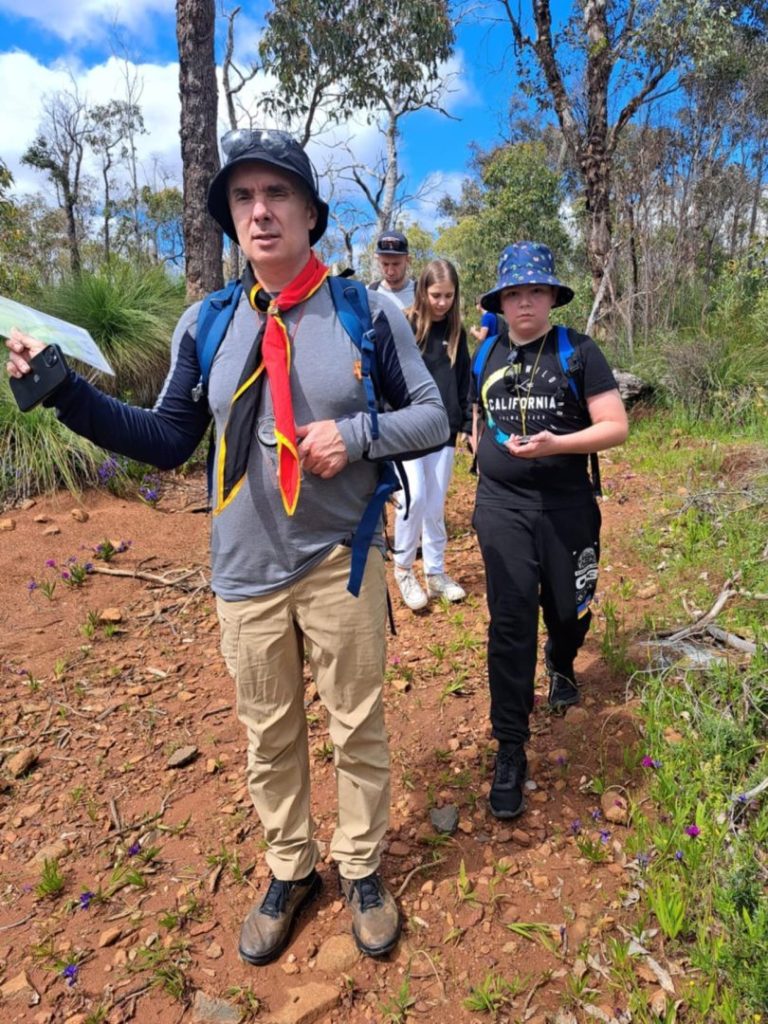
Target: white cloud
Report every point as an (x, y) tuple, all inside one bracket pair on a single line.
[(83, 20), (25, 83)]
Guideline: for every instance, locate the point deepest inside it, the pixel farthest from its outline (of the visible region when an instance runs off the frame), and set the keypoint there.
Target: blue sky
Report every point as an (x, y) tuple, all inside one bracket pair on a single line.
[(45, 47)]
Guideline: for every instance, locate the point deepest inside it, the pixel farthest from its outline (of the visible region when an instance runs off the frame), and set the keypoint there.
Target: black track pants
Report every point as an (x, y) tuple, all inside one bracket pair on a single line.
[(532, 558)]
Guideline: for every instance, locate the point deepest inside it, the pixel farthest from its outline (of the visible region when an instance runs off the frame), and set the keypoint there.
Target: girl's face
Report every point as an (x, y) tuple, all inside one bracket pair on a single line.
[(526, 309), (440, 296)]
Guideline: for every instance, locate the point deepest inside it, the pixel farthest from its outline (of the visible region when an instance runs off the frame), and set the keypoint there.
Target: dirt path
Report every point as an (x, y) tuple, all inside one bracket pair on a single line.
[(172, 853)]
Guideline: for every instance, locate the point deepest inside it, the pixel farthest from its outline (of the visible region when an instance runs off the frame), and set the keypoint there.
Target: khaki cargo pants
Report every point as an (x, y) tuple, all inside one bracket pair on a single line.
[(264, 641)]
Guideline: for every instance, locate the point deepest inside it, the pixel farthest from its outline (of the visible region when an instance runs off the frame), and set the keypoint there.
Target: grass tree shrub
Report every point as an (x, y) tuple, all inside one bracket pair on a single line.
[(130, 311)]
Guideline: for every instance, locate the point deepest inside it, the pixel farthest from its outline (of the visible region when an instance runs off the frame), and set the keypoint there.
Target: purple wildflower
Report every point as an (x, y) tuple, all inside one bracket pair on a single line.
[(605, 835), (650, 762), (576, 826), (678, 854), (88, 566), (85, 899), (32, 585), (693, 831), (643, 860), (134, 849), (597, 814), (70, 973), (65, 576), (50, 563)]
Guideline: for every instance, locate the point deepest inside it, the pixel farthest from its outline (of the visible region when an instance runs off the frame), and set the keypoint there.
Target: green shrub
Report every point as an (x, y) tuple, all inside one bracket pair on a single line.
[(130, 311)]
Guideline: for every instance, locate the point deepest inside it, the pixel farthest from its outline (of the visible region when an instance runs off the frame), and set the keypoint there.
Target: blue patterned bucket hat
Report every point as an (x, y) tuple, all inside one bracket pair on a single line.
[(525, 263)]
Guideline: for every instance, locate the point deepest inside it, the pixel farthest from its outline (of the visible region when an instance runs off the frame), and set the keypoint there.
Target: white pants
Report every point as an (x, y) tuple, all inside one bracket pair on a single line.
[(428, 480)]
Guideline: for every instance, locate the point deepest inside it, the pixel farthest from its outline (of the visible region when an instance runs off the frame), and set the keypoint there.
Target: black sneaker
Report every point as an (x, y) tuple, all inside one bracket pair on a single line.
[(267, 929), (376, 920), (563, 691), (506, 797)]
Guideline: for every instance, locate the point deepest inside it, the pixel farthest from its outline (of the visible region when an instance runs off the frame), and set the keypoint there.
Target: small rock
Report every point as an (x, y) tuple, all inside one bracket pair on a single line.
[(109, 937), (307, 1004), (445, 819), (7, 525), (42, 518), (672, 735), (540, 882), (207, 1010), (202, 929), (51, 531), (21, 761), (614, 807), (186, 696), (20, 989), (291, 968), (401, 685), (181, 757), (27, 504), (337, 955), (54, 851), (644, 593), (658, 1001), (520, 837), (466, 827), (214, 951), (110, 615), (79, 515), (576, 715), (398, 849)]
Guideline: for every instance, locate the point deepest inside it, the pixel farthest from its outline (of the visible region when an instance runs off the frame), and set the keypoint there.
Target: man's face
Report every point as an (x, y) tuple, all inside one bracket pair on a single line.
[(273, 216), (394, 269)]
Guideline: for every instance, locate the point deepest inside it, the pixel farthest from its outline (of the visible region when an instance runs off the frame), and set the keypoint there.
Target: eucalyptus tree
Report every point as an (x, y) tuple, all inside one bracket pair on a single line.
[(195, 21), (598, 68)]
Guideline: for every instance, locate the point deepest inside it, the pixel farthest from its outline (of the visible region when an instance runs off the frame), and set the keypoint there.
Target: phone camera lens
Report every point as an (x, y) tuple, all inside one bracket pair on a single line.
[(50, 357)]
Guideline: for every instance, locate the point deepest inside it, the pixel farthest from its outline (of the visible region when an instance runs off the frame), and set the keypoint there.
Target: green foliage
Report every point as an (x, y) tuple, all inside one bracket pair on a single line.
[(491, 994), (518, 196), (51, 880), (130, 310)]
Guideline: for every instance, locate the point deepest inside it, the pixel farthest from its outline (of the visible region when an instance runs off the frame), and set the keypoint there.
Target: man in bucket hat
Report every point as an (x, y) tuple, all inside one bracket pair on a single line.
[(394, 260), (294, 470), (544, 398)]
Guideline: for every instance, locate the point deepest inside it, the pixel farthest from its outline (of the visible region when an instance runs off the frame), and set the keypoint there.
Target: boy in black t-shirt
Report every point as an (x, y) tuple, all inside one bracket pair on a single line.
[(536, 517)]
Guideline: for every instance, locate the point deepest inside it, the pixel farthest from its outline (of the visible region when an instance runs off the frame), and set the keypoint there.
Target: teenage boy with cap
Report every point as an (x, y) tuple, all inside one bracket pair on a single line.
[(294, 472), (536, 517), (392, 256)]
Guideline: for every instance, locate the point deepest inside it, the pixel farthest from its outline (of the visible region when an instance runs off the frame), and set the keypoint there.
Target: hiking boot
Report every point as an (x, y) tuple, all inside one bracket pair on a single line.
[(506, 797), (375, 918), (267, 928), (411, 590), (563, 691), (440, 584)]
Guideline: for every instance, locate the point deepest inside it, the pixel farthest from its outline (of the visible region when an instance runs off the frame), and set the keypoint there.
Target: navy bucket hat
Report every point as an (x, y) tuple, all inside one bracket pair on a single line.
[(525, 263), (270, 147)]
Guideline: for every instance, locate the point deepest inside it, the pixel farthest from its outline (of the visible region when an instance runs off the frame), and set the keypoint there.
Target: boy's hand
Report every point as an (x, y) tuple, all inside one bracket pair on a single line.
[(21, 348), (534, 446)]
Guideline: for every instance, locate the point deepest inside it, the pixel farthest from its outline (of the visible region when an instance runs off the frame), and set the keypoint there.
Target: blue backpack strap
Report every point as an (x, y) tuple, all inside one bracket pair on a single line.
[(216, 312), (480, 358), (350, 300), (566, 354), (351, 303)]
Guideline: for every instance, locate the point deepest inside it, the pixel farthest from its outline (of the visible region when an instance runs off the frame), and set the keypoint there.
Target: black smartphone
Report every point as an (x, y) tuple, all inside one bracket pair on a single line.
[(48, 370)]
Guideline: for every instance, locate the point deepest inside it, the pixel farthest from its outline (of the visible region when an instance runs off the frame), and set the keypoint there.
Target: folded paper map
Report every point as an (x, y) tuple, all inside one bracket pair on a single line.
[(73, 341)]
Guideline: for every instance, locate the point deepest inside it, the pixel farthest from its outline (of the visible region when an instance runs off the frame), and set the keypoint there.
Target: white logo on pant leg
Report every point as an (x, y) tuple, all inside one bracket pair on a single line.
[(585, 577)]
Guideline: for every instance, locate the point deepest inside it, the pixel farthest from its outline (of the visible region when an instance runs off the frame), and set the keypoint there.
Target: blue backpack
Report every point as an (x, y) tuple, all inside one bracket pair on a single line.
[(570, 364), (351, 304)]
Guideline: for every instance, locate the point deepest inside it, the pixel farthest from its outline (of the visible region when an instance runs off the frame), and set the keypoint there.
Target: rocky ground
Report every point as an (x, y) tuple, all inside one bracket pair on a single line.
[(129, 851)]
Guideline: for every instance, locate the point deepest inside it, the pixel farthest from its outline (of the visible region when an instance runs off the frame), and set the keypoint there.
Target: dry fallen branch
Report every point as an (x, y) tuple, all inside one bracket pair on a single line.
[(149, 577)]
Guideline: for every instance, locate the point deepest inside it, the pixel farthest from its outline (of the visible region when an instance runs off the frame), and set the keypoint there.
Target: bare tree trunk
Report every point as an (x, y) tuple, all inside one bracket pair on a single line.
[(390, 176), (199, 150)]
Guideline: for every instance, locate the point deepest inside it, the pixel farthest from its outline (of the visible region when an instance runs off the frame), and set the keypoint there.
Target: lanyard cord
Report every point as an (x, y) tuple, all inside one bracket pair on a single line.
[(522, 405)]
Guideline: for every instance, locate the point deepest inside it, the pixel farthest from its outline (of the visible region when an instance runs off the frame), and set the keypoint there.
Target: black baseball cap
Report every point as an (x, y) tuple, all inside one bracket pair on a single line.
[(269, 146), (391, 243)]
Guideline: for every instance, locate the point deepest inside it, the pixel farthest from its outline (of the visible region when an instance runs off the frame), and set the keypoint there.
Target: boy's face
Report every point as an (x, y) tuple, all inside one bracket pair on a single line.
[(526, 309)]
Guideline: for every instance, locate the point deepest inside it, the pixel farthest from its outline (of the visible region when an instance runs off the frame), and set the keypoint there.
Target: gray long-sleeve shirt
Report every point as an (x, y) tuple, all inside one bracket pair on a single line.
[(255, 547)]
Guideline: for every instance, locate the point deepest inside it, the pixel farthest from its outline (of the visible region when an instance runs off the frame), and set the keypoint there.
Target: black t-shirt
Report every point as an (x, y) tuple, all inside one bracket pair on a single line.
[(523, 391), (452, 381)]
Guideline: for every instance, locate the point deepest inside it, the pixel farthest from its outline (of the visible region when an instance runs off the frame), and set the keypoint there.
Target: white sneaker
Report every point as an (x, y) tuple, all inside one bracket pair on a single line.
[(412, 591), (440, 584)]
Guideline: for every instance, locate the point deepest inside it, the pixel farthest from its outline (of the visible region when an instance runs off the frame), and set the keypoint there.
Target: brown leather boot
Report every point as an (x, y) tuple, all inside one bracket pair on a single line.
[(267, 929), (375, 918)]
